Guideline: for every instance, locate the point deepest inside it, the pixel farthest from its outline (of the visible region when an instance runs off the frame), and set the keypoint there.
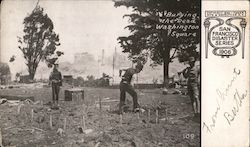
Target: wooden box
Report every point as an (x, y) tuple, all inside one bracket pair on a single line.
[(70, 94)]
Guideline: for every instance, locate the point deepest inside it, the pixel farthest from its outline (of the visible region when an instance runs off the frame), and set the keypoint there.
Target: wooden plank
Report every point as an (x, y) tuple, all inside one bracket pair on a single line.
[(17, 97), (109, 101), (75, 90)]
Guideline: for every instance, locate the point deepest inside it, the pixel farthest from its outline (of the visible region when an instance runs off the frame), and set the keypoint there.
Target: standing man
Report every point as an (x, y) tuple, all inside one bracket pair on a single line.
[(193, 74), (56, 81), (125, 86)]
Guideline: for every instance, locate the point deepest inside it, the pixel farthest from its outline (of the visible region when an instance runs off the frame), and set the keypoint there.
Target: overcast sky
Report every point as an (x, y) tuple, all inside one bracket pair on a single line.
[(83, 26)]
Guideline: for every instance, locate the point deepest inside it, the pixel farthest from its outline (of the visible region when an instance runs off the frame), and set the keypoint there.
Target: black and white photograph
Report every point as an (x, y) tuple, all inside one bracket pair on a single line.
[(100, 73)]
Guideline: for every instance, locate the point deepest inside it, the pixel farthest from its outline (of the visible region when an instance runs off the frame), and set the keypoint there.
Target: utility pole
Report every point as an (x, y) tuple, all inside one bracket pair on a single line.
[(114, 57), (102, 57)]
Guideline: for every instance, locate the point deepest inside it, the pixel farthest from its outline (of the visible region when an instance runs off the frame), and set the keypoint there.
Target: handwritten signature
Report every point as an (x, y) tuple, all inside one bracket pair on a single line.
[(238, 98), (222, 95)]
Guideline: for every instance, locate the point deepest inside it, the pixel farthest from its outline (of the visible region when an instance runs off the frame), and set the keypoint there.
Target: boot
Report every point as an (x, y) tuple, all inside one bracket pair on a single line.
[(136, 108)]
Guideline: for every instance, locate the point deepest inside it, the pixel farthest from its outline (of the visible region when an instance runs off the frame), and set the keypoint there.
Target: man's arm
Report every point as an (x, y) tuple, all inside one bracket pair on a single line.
[(60, 76), (185, 72), (50, 78), (60, 79), (121, 70), (198, 73)]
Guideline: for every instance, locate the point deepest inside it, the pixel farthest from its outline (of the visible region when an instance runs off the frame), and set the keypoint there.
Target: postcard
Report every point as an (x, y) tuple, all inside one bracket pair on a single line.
[(124, 73)]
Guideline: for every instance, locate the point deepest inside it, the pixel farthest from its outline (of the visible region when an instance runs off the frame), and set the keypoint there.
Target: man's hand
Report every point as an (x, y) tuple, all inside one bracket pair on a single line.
[(185, 72), (55, 81), (120, 73)]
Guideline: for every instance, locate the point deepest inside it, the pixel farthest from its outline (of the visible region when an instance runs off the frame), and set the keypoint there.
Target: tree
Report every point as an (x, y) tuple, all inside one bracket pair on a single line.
[(185, 53), (39, 40), (4, 73), (160, 26)]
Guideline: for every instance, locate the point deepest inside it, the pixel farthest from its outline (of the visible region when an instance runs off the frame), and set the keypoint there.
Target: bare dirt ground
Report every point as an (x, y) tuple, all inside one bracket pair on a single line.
[(175, 127)]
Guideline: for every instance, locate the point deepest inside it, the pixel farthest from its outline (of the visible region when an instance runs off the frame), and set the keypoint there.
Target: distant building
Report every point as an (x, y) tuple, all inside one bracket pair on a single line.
[(83, 58)]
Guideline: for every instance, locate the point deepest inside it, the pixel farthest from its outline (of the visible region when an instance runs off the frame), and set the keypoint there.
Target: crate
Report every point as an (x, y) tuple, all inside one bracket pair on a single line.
[(74, 93)]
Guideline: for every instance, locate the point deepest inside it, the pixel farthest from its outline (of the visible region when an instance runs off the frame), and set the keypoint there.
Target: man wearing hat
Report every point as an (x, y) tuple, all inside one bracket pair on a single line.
[(125, 86), (55, 81), (193, 74)]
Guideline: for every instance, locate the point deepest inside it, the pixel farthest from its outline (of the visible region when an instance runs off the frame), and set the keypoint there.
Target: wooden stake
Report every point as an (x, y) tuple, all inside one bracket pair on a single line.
[(73, 96), (138, 115), (19, 109), (39, 129), (1, 138), (26, 116), (100, 103), (166, 114), (78, 97), (83, 122), (50, 121), (32, 115), (157, 116), (120, 118), (148, 114), (65, 124)]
